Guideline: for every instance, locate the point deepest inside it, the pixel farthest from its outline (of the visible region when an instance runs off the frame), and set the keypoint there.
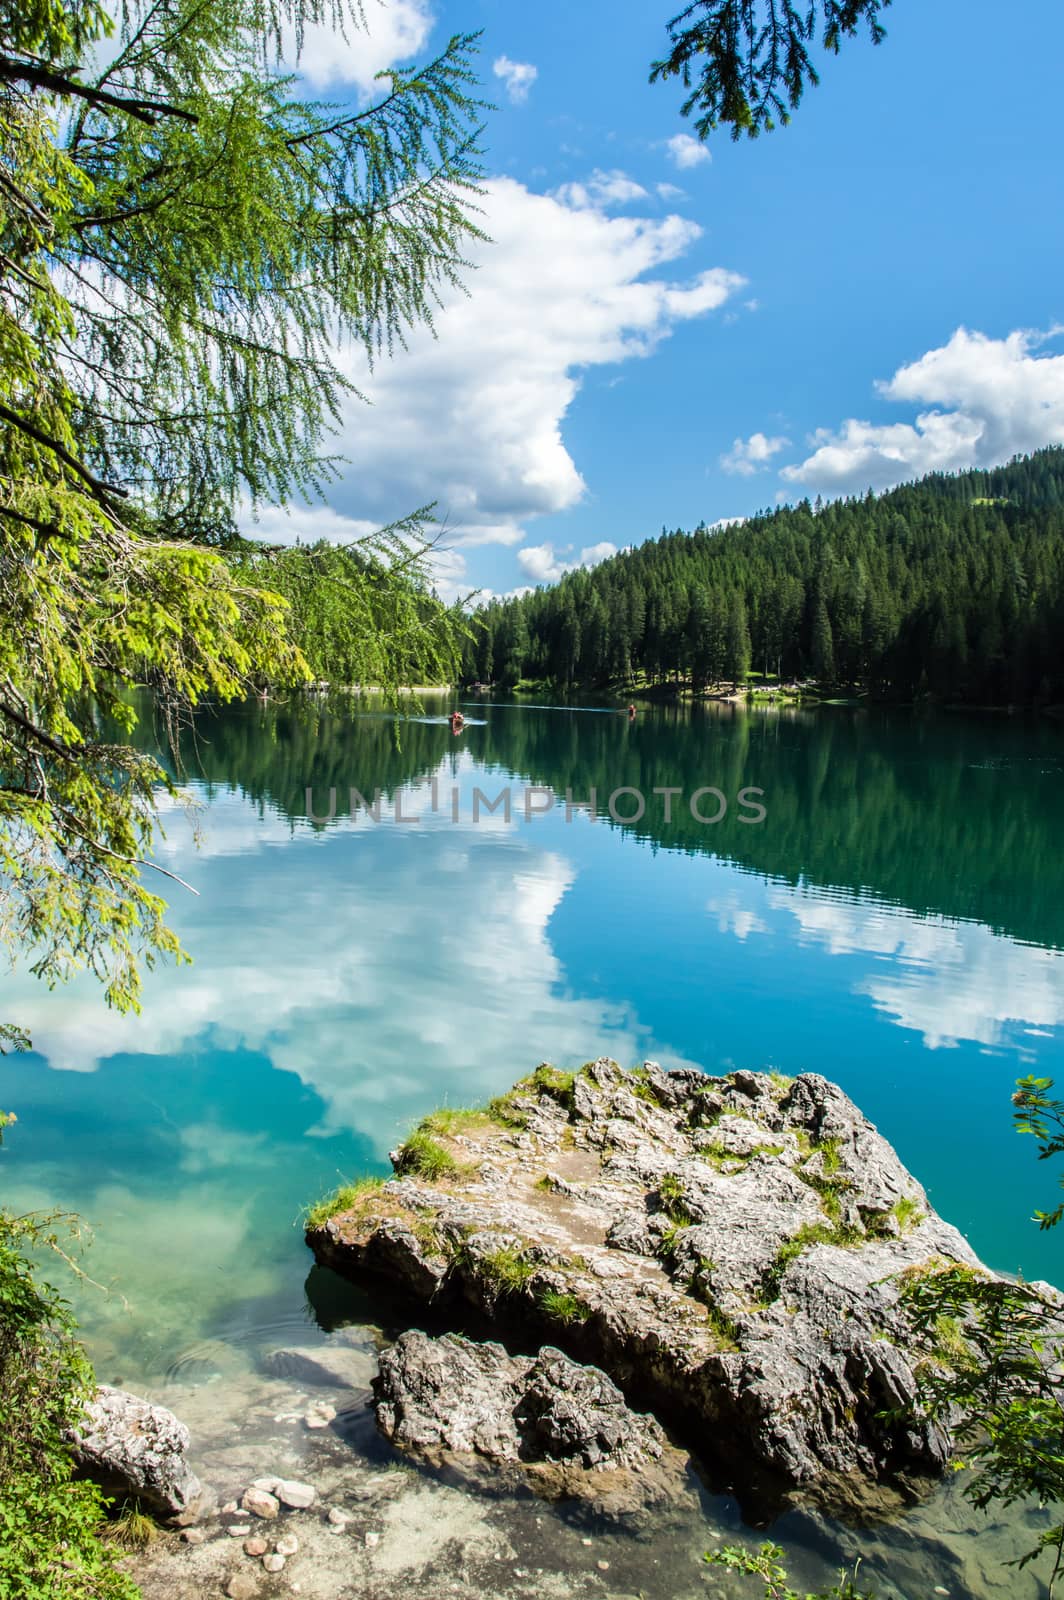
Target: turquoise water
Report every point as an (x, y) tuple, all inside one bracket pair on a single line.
[(896, 922)]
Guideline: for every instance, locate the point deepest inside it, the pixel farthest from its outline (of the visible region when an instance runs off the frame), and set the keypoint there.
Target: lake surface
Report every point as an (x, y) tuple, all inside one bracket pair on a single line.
[(895, 921)]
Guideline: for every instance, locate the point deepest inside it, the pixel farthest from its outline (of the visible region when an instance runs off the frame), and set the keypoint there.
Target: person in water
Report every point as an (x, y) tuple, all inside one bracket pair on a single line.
[(631, 713), (457, 722)]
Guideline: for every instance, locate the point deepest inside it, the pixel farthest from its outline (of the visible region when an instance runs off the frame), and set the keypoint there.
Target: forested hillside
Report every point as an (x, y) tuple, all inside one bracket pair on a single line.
[(952, 587)]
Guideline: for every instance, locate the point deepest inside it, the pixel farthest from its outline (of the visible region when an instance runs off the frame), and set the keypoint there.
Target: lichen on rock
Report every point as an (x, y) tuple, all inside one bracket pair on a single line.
[(727, 1249)]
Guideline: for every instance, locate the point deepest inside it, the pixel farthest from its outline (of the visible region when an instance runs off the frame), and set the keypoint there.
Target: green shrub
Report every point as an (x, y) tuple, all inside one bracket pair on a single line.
[(50, 1524)]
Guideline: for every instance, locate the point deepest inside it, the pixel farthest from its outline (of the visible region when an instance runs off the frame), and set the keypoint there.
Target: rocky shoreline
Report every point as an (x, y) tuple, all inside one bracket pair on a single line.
[(726, 1251), (696, 1282)]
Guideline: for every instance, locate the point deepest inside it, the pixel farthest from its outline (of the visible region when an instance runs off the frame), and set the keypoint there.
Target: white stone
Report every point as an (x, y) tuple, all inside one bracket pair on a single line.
[(287, 1546), (274, 1563), (290, 1492), (260, 1503)]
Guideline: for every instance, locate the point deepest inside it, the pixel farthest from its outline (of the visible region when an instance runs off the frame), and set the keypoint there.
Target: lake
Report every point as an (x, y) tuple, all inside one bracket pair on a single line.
[(895, 921)]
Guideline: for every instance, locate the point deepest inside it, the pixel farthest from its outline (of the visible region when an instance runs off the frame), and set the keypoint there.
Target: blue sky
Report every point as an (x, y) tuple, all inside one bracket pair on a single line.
[(632, 357)]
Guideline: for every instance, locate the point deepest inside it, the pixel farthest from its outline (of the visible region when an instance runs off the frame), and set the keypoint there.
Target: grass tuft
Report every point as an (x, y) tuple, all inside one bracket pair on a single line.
[(449, 1120), (423, 1157), (132, 1529), (674, 1200), (345, 1198), (505, 1269), (564, 1308), (552, 1081), (808, 1235)]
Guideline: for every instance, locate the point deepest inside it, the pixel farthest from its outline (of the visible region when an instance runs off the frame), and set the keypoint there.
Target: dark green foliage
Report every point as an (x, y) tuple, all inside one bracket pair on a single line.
[(50, 1526), (952, 588), (1039, 1114), (747, 63), (993, 1370), (765, 1564)]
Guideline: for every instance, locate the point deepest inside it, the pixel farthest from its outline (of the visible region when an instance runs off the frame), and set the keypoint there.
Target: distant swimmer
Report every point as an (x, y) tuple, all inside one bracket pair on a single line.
[(457, 722), (631, 713)]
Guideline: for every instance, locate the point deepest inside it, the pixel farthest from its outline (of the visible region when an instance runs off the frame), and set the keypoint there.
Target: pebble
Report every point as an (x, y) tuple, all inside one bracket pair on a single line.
[(587, 1541), (939, 1589), (255, 1546), (194, 1536), (603, 1566), (238, 1530), (340, 1519), (298, 1496), (319, 1416), (274, 1563), (229, 1507), (241, 1587), (372, 1540), (269, 1484), (260, 1504), (287, 1546)]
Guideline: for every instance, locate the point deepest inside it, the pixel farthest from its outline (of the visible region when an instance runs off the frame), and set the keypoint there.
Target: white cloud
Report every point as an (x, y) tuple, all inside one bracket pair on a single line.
[(543, 564), (987, 399), (602, 189), (341, 910), (669, 191), (945, 980), (518, 76), (687, 152), (748, 456), (395, 31), (472, 418), (734, 916)]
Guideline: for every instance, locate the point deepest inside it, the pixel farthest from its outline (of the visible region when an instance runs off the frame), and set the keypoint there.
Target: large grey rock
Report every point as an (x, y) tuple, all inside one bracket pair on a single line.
[(131, 1447), (562, 1427), (728, 1248)]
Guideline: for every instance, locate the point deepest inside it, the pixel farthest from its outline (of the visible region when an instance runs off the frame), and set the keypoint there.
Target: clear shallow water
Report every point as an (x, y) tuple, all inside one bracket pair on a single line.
[(896, 922)]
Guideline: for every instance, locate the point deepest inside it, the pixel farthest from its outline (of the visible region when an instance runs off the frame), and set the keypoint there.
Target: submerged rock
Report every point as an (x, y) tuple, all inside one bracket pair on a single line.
[(726, 1248), (565, 1428), (133, 1448), (338, 1366)]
